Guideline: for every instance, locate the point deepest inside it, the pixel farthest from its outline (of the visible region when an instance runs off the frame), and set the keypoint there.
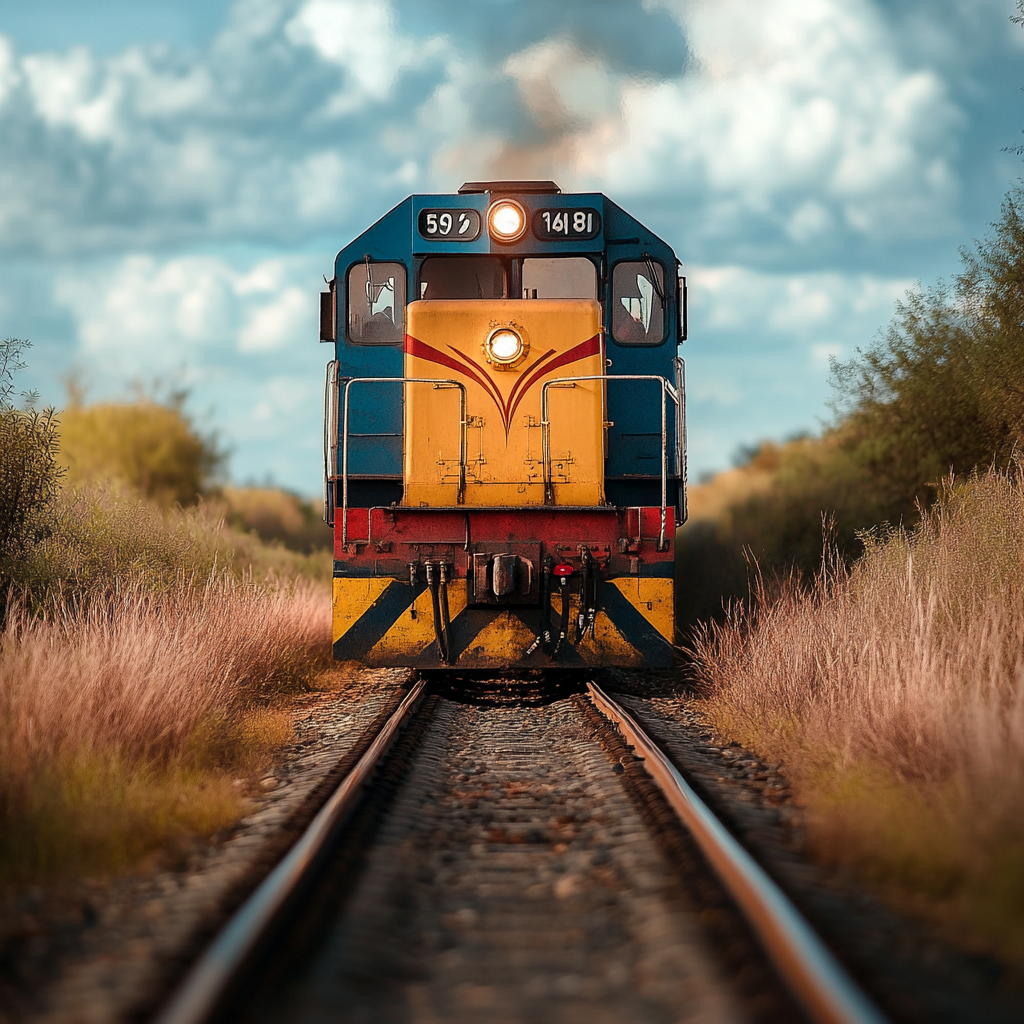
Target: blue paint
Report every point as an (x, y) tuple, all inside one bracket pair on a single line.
[(634, 439)]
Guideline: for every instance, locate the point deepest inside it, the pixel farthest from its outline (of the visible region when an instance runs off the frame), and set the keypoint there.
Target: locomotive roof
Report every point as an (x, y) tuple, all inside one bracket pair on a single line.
[(522, 187), (403, 233)]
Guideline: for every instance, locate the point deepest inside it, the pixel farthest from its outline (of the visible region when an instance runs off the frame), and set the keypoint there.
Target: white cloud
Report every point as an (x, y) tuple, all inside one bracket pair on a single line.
[(286, 319), (141, 315), (795, 306), (71, 91), (799, 110), (362, 39), (800, 116)]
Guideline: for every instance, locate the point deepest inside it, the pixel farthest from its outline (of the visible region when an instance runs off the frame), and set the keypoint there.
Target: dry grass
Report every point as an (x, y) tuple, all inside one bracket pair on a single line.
[(104, 538), (126, 724), (894, 692)]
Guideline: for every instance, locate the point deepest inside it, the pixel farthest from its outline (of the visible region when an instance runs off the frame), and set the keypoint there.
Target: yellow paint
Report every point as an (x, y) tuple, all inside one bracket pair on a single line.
[(608, 646), (652, 598), (409, 636), (352, 597), (504, 436), (503, 641)]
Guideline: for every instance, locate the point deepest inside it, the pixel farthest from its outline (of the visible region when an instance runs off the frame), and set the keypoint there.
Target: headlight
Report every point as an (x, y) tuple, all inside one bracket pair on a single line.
[(506, 220), (504, 346)]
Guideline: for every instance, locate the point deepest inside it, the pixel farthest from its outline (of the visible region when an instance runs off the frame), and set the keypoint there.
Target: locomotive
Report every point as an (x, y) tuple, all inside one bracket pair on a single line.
[(505, 433)]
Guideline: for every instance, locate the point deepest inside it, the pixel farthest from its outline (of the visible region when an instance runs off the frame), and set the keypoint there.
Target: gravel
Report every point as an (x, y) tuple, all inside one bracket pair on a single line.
[(512, 879)]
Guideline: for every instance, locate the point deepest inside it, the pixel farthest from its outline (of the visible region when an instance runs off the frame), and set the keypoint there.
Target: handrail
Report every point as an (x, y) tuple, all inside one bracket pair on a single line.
[(330, 438), (679, 365), (545, 424), (437, 382)]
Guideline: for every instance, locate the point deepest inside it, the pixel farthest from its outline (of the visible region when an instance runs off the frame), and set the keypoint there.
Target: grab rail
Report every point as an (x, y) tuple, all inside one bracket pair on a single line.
[(438, 382), (330, 438), (667, 391)]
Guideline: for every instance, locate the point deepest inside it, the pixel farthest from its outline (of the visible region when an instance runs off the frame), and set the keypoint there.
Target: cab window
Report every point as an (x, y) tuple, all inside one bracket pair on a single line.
[(638, 303), (565, 277), (376, 303), (462, 277)]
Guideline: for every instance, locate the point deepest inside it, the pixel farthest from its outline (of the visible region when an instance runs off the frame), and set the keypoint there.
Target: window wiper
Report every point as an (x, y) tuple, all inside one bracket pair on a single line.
[(654, 280)]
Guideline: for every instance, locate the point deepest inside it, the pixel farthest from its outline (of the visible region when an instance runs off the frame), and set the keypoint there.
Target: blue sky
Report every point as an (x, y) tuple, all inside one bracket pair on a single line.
[(175, 177)]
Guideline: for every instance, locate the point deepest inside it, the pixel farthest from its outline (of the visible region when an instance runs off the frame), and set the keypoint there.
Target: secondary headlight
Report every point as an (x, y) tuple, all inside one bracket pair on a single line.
[(506, 220), (504, 345)]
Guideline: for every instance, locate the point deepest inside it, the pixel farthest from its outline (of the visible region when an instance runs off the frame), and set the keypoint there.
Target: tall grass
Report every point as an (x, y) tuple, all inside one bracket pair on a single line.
[(102, 538), (125, 723), (894, 692)]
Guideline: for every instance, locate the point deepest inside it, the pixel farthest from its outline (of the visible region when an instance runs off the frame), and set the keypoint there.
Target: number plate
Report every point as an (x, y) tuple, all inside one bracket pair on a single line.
[(567, 222), (452, 225)]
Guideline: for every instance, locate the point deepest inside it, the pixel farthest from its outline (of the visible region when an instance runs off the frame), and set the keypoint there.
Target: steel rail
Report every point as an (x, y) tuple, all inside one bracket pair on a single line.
[(813, 975), (208, 981)]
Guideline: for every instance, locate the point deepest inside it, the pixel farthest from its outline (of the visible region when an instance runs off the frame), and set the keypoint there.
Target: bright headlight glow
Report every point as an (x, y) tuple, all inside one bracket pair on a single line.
[(504, 345), (506, 220)]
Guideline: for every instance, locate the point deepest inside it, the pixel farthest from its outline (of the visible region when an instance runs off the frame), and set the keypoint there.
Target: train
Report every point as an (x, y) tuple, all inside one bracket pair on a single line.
[(505, 433)]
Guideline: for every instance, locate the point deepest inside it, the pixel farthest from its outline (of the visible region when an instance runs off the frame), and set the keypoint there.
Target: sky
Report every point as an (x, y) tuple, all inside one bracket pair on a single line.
[(177, 176)]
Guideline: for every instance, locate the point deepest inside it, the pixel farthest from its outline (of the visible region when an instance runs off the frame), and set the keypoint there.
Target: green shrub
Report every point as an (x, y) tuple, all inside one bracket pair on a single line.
[(29, 474), (150, 446), (941, 391), (105, 539)]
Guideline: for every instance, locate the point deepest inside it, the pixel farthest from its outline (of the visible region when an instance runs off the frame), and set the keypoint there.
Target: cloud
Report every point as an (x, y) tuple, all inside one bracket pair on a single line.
[(789, 123), (798, 307), (805, 156), (797, 114), (363, 41), (142, 315)]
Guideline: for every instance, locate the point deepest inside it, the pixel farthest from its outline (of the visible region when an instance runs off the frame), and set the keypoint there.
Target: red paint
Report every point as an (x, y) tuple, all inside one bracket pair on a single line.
[(507, 408), (382, 541)]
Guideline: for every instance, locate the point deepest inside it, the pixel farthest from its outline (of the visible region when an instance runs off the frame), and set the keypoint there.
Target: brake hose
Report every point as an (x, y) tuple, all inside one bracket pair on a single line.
[(563, 627), (446, 625), (433, 582), (543, 636), (587, 615)]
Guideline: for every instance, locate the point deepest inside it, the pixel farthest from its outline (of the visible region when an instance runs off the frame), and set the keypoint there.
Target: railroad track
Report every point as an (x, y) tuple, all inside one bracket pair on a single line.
[(516, 861)]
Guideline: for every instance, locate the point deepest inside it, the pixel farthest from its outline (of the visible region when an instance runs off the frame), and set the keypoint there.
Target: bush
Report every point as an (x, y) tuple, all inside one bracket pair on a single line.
[(942, 391), (125, 725), (150, 446), (29, 474), (275, 515), (104, 540)]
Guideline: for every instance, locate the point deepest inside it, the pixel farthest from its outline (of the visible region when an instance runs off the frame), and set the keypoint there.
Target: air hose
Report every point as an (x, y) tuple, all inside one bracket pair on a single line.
[(434, 583), (587, 616), (543, 636), (563, 625), (446, 625)]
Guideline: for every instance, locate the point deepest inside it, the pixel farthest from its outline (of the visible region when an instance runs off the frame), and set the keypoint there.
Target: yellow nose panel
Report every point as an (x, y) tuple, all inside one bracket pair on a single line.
[(503, 447)]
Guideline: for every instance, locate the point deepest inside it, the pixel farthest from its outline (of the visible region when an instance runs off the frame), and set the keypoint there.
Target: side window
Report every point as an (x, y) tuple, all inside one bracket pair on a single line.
[(563, 277), (376, 303), (638, 306)]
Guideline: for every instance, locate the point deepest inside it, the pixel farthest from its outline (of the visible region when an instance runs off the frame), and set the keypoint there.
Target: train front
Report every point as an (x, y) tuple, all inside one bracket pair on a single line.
[(504, 435)]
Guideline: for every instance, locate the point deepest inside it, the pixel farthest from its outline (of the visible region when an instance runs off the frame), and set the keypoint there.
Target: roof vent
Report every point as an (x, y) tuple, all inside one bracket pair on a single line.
[(521, 187)]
